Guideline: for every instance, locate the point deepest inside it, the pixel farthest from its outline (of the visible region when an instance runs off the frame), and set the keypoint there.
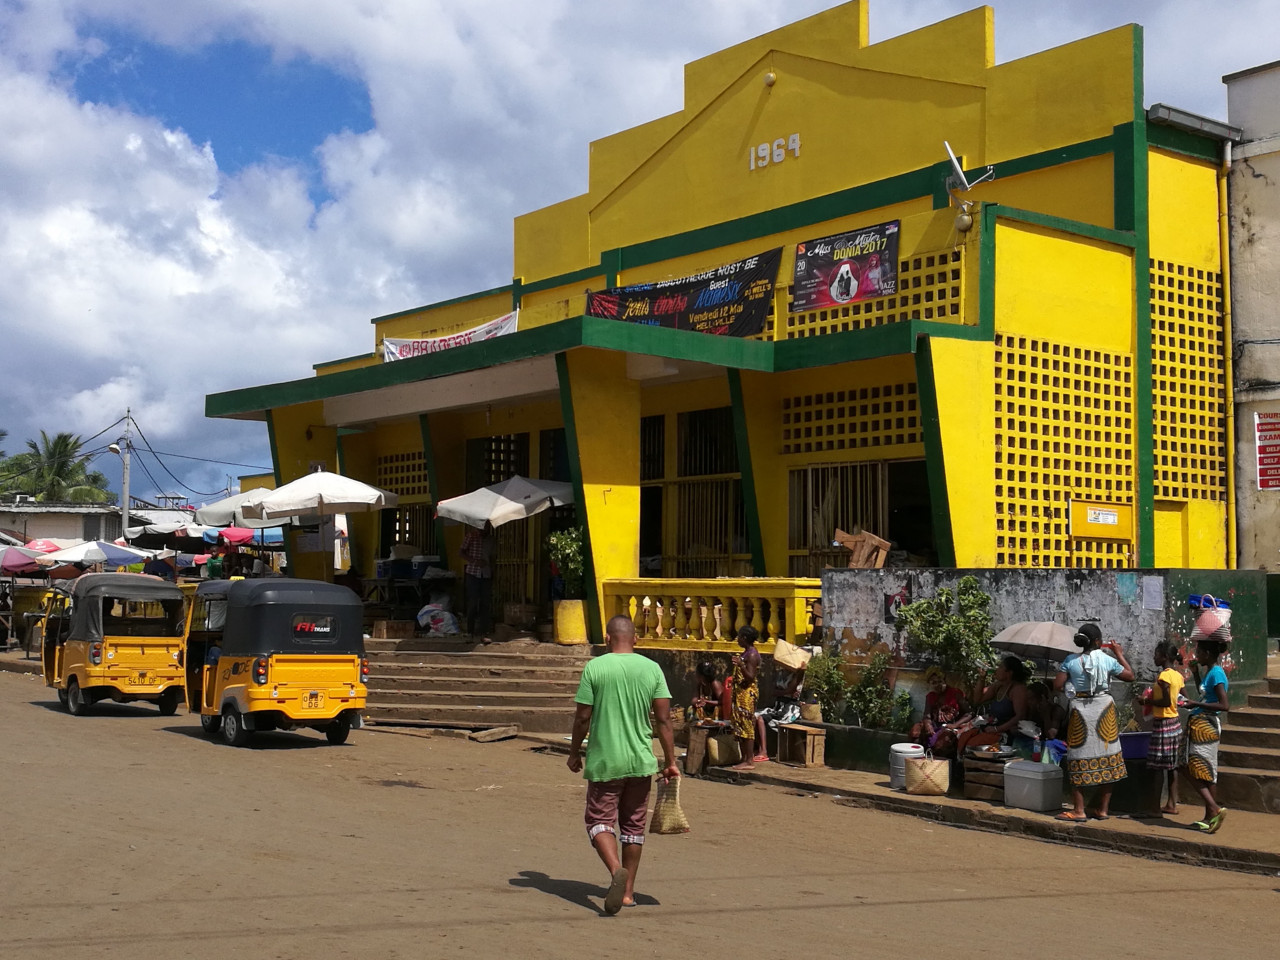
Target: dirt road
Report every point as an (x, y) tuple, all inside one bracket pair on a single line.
[(128, 835)]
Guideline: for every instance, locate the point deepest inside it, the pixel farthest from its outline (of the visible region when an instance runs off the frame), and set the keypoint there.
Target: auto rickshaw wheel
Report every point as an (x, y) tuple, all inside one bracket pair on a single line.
[(168, 703), (77, 705), (210, 723), (233, 731), (337, 731), (62, 696)]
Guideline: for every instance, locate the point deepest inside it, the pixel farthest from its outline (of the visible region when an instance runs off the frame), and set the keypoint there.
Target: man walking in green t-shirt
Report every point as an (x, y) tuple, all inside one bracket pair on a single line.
[(614, 698)]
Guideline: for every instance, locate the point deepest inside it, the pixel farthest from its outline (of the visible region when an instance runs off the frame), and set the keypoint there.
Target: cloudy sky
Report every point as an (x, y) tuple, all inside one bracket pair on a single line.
[(198, 195)]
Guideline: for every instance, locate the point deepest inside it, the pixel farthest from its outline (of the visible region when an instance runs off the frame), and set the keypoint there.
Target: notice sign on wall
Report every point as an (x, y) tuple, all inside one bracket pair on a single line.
[(732, 300), (844, 268), (1266, 430)]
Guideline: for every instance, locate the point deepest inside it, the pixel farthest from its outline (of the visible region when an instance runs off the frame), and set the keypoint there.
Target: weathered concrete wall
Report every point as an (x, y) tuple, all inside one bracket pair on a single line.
[(855, 602), (1253, 103)]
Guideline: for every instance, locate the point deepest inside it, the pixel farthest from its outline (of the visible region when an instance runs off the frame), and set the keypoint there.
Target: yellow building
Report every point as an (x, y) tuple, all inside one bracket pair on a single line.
[(1037, 379)]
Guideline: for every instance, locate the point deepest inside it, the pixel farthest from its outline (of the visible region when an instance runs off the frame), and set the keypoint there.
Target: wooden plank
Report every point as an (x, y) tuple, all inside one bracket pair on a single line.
[(976, 791), (496, 733), (989, 779)]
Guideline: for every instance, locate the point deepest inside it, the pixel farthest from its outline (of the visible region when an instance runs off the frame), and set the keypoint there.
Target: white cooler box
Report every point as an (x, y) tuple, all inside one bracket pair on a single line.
[(1032, 786)]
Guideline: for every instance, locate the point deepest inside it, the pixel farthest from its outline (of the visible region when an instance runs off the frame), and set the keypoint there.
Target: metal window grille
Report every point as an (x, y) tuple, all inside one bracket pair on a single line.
[(821, 497)]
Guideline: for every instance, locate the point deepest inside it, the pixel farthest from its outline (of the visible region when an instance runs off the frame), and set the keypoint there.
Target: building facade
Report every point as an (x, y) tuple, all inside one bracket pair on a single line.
[(1034, 375), (1253, 105)]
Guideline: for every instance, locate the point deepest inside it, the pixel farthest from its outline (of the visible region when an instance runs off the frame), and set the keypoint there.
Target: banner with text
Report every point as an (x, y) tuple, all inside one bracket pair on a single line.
[(399, 349), (731, 301), (850, 266), (1266, 430)]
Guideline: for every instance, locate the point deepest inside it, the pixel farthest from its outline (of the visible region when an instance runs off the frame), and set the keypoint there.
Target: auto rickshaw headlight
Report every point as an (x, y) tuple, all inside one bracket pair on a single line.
[(95, 652), (260, 670)]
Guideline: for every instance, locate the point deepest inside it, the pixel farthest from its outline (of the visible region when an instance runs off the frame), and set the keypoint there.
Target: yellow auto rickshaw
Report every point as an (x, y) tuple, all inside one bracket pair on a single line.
[(276, 654), (115, 636)]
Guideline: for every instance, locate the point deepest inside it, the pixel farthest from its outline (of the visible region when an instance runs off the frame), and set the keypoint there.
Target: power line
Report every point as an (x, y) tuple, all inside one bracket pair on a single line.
[(151, 450), (229, 463)]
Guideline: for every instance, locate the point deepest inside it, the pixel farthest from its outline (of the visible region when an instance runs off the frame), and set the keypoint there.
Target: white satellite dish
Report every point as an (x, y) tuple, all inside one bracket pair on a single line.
[(960, 179)]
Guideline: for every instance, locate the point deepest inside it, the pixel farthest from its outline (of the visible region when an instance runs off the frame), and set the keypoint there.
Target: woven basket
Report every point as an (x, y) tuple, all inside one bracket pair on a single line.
[(668, 817), (927, 777)]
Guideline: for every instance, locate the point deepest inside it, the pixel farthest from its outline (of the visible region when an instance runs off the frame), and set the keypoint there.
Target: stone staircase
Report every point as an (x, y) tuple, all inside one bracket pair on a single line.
[(462, 684), (1249, 756)]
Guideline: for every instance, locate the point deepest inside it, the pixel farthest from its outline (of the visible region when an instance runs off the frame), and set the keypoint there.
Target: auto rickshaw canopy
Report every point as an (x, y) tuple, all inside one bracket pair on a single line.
[(283, 615), (89, 590)]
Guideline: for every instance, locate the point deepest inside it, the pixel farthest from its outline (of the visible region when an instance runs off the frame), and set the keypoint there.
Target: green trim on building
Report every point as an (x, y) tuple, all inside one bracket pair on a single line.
[(591, 594), (1138, 176), (334, 363), (1119, 238), (564, 279), (1165, 137), (934, 457), (433, 481), (747, 470), (465, 298), (987, 269)]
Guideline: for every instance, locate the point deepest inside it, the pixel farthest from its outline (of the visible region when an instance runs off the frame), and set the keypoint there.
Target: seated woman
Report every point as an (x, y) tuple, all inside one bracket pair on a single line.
[(943, 704), (1004, 705), (708, 694)]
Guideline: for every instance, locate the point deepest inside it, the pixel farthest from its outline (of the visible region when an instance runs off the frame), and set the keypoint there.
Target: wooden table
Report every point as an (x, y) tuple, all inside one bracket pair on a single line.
[(802, 746)]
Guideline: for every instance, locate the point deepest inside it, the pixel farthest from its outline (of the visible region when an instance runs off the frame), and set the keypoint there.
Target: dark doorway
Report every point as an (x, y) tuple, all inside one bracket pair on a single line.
[(910, 509)]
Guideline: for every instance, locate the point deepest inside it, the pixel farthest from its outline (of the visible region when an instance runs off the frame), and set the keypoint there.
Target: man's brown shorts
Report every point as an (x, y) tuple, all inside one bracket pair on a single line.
[(624, 802)]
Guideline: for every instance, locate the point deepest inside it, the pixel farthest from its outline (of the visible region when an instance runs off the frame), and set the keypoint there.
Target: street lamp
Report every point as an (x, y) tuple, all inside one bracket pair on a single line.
[(121, 449)]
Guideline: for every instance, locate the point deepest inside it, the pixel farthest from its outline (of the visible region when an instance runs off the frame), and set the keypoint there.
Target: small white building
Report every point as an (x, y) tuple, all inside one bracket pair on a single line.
[(30, 519), (1253, 104)]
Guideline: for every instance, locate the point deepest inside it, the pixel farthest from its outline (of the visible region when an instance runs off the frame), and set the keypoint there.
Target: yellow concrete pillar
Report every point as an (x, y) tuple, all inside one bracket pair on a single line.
[(602, 427)]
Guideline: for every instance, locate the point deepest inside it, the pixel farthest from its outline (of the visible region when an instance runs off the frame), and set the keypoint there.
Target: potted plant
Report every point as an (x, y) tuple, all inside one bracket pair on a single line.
[(565, 550), (824, 680)]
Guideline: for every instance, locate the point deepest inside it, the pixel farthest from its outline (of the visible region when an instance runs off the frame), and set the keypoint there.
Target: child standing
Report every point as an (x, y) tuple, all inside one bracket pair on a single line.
[(1166, 729), (1204, 730)]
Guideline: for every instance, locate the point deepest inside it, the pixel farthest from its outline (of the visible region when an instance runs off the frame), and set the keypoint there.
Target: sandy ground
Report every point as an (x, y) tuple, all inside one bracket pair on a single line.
[(128, 835)]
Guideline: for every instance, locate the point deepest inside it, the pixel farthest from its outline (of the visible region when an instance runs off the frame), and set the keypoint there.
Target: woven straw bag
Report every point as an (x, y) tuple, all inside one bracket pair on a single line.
[(927, 777), (668, 817), (1214, 622)]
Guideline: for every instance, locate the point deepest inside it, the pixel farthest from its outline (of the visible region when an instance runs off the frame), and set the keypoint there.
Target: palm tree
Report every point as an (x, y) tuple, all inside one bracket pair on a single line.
[(54, 469)]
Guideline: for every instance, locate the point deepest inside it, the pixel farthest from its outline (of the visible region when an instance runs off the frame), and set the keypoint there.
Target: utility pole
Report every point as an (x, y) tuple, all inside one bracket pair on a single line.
[(121, 448)]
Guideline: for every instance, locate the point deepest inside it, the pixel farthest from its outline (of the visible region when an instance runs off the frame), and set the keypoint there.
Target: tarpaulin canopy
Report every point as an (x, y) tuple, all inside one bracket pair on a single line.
[(96, 551), (15, 560)]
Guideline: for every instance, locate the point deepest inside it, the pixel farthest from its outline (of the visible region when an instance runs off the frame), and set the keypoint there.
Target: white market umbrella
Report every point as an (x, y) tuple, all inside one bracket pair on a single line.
[(17, 560), (96, 551), (319, 494), (512, 499), (229, 512), (1038, 640)]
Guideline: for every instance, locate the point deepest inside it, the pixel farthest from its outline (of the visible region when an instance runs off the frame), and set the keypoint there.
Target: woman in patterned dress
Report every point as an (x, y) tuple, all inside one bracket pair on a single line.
[(1204, 730), (746, 669), (1093, 726)]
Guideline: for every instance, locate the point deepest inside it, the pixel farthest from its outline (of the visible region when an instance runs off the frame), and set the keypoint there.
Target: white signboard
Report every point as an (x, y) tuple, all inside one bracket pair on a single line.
[(1102, 515), (398, 349)]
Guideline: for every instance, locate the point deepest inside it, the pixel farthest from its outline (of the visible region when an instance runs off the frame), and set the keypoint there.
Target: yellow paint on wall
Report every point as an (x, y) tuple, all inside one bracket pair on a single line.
[(544, 248), (1068, 289), (249, 481), (965, 417), (351, 363), (1083, 191), (1206, 534), (301, 442), (433, 321), (1184, 210), (1171, 549), (606, 409)]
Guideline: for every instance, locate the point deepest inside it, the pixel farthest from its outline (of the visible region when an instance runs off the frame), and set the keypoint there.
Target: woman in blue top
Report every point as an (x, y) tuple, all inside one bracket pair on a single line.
[(1204, 730), (1093, 727)]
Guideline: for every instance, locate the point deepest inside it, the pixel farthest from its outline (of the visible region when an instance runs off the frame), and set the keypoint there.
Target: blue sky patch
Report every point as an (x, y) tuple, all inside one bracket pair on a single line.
[(229, 93)]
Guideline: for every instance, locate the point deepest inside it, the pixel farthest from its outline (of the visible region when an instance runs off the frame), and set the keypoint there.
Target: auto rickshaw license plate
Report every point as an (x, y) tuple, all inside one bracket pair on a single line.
[(313, 700), (142, 679)]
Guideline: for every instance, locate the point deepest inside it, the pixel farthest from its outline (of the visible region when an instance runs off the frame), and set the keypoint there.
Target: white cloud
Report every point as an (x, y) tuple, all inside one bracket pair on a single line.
[(134, 271)]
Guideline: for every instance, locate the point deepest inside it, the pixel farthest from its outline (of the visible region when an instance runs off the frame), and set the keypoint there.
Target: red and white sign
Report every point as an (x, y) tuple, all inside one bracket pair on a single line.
[(1266, 430), (395, 349)]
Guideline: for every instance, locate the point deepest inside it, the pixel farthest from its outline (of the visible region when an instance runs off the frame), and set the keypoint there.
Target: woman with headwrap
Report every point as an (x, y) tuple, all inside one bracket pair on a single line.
[(1093, 725), (943, 704)]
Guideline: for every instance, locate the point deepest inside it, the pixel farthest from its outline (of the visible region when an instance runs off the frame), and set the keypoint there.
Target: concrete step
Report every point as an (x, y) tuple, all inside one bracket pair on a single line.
[(468, 644), (464, 670), (410, 682), (1265, 701), (1256, 717), (477, 698), (1259, 758), (1273, 684), (530, 719), (1250, 737), (480, 657), (1247, 788)]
